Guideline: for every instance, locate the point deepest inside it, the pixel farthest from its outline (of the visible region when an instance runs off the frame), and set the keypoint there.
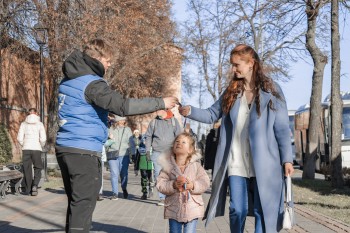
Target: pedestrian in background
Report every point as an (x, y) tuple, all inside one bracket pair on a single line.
[(183, 180), (211, 146), (146, 169), (254, 152), (135, 141), (201, 147), (159, 137), (84, 101), (103, 160), (32, 137), (120, 134)]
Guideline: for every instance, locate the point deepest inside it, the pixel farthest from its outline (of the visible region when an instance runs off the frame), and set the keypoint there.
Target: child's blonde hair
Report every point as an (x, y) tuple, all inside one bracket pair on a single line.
[(192, 145)]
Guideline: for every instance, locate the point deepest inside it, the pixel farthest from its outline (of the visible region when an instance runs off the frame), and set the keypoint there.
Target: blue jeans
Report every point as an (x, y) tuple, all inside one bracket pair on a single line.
[(176, 227), (239, 189), (119, 167), (157, 168)]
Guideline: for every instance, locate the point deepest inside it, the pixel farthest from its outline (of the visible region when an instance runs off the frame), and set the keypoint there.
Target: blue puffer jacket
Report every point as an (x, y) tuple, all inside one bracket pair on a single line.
[(82, 125), (84, 99)]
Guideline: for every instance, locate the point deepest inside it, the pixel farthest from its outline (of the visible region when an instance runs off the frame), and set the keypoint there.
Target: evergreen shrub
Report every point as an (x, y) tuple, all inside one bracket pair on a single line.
[(5, 145)]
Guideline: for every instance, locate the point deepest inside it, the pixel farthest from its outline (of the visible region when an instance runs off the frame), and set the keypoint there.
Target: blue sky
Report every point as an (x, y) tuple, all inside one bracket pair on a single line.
[(298, 90)]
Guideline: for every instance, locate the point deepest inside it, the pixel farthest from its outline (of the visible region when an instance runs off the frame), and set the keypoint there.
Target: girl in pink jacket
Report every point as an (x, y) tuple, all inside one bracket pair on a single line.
[(183, 180)]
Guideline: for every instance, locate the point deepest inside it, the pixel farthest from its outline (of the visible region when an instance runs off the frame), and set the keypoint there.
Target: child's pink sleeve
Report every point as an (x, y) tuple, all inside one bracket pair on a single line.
[(164, 184), (202, 182)]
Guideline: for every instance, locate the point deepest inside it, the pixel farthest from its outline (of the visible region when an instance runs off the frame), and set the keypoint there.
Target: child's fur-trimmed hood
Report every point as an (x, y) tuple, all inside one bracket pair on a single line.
[(167, 160)]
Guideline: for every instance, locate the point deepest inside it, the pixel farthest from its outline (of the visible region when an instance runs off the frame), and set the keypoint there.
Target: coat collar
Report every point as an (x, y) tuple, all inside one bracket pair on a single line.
[(264, 100), (167, 161)]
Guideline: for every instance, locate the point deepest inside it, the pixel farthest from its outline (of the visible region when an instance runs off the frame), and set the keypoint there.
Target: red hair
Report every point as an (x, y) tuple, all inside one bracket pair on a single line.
[(236, 86)]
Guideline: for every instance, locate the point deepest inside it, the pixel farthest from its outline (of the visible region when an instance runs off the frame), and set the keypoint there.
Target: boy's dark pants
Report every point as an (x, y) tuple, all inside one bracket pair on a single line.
[(146, 180), (81, 175), (30, 158)]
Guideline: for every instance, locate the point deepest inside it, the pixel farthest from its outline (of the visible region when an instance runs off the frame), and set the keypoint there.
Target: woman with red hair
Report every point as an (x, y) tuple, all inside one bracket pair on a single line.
[(254, 151)]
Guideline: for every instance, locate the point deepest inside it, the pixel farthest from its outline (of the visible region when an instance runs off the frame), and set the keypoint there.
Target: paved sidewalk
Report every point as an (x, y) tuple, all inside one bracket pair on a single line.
[(46, 213)]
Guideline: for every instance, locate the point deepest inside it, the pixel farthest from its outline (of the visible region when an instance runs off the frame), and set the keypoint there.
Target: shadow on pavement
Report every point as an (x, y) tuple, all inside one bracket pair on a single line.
[(6, 227), (57, 191), (325, 205), (108, 228), (322, 187)]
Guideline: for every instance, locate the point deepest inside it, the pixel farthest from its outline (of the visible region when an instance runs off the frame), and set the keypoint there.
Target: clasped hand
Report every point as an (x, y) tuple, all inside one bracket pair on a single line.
[(180, 182)]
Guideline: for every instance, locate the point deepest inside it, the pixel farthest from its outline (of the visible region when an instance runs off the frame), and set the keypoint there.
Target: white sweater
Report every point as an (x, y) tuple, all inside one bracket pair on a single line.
[(32, 135), (240, 161)]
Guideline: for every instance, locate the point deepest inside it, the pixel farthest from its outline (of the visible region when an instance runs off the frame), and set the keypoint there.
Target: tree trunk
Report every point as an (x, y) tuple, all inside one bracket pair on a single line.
[(336, 102), (320, 61)]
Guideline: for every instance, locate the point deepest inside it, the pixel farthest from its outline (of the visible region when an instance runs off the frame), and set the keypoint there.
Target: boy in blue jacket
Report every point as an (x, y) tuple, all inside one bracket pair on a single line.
[(84, 101)]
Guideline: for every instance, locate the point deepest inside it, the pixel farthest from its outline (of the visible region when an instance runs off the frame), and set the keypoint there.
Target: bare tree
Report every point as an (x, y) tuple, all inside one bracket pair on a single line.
[(141, 33), (208, 37), (215, 27), (320, 60), (336, 106)]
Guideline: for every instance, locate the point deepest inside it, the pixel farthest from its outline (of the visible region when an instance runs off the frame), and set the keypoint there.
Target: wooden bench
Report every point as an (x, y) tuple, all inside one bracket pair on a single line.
[(6, 178)]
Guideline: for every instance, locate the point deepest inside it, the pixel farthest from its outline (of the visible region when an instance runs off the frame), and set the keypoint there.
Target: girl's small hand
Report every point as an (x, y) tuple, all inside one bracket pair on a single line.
[(189, 184), (180, 181), (178, 185)]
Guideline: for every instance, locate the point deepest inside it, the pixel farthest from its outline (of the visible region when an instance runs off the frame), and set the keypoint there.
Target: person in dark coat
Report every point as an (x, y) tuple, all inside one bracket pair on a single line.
[(201, 147), (211, 147), (254, 152)]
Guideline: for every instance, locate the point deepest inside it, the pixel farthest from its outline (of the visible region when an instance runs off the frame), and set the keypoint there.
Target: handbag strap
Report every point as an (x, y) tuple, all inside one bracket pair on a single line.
[(121, 138)]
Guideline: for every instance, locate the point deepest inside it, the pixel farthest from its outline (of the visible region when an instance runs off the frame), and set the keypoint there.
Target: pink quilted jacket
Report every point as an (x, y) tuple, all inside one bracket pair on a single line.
[(188, 205)]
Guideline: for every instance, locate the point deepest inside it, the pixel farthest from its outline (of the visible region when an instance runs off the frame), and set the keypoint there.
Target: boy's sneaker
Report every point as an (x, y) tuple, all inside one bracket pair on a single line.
[(125, 194), (160, 203), (144, 196), (114, 197), (34, 190)]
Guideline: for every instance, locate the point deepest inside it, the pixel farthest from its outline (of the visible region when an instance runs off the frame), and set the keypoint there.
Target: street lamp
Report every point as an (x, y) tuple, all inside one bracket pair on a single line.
[(41, 40), (140, 120)]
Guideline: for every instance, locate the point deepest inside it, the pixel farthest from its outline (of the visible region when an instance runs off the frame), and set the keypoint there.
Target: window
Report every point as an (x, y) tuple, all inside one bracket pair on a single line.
[(346, 122)]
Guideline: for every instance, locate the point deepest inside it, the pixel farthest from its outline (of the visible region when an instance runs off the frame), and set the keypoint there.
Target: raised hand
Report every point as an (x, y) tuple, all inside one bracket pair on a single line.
[(184, 110), (170, 102)]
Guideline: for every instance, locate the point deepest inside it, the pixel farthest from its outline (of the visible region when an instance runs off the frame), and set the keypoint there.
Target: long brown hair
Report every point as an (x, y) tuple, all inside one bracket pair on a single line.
[(236, 86)]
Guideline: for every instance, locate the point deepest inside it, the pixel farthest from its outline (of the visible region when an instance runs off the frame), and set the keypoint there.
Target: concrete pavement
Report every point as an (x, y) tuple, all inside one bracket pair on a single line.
[(46, 213)]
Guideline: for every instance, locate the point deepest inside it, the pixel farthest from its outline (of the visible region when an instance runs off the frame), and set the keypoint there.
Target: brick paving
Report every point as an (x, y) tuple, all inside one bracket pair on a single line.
[(46, 213)]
